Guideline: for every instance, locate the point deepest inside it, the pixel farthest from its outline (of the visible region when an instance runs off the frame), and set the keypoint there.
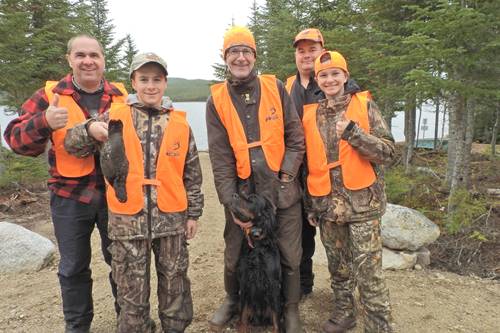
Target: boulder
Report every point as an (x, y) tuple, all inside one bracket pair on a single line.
[(22, 250), (423, 257), (398, 259), (407, 229)]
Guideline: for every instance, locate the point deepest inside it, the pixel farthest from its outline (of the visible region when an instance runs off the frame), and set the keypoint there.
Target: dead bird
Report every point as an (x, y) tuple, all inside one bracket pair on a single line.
[(114, 163)]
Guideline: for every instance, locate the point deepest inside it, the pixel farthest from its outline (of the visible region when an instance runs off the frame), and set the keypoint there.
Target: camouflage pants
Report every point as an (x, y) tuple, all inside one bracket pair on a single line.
[(354, 252), (131, 262)]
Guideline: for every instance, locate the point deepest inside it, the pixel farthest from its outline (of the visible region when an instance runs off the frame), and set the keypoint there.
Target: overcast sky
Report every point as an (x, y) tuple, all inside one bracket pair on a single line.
[(188, 34)]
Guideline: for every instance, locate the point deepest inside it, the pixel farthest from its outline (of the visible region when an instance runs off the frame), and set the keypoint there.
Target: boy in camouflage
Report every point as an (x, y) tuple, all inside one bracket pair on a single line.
[(347, 141), (164, 202)]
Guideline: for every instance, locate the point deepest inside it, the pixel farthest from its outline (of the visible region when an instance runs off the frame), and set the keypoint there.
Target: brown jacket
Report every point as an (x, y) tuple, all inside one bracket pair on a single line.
[(245, 96), (344, 205)]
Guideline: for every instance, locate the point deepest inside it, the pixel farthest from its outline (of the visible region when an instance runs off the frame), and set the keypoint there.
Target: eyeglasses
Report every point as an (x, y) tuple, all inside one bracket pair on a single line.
[(236, 52)]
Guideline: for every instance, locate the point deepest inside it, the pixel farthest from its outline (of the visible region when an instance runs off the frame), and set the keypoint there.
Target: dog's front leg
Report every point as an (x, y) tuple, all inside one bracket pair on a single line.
[(244, 320), (276, 323)]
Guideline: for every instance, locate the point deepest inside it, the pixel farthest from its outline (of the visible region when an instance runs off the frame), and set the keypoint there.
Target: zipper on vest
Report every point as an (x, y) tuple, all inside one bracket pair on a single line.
[(148, 174)]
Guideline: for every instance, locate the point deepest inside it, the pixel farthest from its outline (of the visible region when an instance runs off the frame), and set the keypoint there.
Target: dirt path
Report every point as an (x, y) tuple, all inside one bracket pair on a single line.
[(423, 301)]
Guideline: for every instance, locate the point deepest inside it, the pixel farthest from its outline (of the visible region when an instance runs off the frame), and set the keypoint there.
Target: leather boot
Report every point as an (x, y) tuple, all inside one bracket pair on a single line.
[(341, 326), (291, 285), (343, 317), (229, 307)]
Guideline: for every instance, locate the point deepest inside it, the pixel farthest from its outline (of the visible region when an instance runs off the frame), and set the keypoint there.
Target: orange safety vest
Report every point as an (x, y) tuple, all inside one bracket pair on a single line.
[(171, 193), (272, 130), (357, 173), (289, 83), (68, 165)]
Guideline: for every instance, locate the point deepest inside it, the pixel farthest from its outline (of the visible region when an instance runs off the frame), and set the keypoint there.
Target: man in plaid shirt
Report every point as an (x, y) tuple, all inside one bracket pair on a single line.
[(61, 112)]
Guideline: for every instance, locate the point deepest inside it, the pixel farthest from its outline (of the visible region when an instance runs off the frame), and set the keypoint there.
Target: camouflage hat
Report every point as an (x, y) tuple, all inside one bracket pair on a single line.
[(145, 58)]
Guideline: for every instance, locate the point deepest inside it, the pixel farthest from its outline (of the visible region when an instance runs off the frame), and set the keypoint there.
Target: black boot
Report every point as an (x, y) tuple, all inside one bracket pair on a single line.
[(291, 291), (229, 307)]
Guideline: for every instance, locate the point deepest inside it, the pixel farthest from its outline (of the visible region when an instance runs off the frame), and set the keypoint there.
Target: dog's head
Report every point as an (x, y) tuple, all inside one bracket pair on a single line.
[(259, 211)]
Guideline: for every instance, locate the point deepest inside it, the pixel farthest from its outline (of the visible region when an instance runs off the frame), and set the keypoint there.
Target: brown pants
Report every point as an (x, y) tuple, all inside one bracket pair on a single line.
[(131, 271)]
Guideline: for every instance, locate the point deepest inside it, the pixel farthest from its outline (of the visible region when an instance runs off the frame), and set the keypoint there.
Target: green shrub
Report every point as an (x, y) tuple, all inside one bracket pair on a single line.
[(397, 185), (464, 210), (21, 169), (415, 190)]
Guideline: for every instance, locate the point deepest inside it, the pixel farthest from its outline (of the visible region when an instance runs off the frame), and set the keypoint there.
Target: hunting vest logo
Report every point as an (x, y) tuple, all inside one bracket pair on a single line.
[(173, 149), (272, 115)]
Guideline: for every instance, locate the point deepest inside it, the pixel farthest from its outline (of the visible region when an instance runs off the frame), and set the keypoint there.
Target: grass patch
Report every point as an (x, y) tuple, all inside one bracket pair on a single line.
[(20, 170), (415, 190), (466, 208)]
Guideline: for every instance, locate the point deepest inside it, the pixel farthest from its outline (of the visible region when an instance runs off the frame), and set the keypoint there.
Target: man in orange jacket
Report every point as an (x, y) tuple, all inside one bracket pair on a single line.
[(56, 113), (255, 138)]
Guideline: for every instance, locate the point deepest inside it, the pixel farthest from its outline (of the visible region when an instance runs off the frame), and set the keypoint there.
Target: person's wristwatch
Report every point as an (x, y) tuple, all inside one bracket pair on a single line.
[(350, 126)]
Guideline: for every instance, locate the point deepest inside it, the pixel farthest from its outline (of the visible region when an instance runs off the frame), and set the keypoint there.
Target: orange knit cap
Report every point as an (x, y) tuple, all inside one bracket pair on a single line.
[(330, 59), (237, 35)]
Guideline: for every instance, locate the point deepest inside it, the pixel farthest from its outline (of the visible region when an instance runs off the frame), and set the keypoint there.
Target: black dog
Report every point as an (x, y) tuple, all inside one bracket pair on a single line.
[(259, 268), (114, 163)]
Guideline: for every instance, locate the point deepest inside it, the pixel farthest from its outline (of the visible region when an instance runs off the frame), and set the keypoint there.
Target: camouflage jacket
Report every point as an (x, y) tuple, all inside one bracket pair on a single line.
[(126, 227), (344, 205), (245, 95)]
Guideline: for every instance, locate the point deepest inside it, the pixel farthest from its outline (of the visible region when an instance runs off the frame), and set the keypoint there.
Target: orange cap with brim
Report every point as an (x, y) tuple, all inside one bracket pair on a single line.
[(238, 35), (330, 59), (309, 34)]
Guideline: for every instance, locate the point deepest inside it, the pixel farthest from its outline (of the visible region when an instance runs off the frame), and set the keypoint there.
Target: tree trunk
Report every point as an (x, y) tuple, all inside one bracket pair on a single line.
[(469, 136), (436, 123), (452, 141), (409, 130), (388, 116), (456, 143), (418, 123), (494, 132), (443, 123)]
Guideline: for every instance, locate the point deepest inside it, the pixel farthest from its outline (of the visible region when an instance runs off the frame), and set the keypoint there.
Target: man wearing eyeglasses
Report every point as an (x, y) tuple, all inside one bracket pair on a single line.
[(256, 145)]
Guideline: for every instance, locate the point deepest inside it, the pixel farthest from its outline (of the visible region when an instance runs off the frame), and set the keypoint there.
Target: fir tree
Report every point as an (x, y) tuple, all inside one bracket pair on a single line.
[(103, 30)]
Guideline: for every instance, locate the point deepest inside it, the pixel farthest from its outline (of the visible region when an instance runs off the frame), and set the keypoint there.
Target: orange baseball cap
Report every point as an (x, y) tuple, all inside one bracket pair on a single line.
[(238, 35), (330, 59), (309, 34)]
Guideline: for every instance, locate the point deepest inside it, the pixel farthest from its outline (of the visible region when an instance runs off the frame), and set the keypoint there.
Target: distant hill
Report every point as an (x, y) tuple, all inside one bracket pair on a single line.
[(184, 90)]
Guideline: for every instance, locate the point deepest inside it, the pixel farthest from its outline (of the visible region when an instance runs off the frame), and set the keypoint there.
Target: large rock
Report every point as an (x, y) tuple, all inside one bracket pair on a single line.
[(397, 259), (407, 229), (22, 250), (423, 257)]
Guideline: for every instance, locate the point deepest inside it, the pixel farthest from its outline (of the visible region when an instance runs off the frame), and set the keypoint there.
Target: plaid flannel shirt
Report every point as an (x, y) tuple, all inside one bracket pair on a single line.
[(29, 134)]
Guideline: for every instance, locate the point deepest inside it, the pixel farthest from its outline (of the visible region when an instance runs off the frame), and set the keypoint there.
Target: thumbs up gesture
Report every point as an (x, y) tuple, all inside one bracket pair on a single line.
[(56, 116), (341, 124)]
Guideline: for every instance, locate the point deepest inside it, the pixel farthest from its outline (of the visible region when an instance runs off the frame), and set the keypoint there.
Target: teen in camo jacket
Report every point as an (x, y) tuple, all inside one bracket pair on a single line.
[(159, 225), (347, 142)]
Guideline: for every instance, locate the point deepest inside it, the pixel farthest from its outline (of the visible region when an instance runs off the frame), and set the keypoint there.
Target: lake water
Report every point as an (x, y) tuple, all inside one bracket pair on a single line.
[(195, 114), (196, 117)]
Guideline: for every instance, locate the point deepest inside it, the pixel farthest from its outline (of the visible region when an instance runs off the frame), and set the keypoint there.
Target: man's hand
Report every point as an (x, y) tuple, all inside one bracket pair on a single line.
[(98, 130), (191, 228), (57, 117), (242, 224), (341, 124)]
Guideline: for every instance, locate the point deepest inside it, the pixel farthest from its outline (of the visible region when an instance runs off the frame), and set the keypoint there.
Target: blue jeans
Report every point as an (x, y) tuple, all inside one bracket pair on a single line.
[(73, 225)]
